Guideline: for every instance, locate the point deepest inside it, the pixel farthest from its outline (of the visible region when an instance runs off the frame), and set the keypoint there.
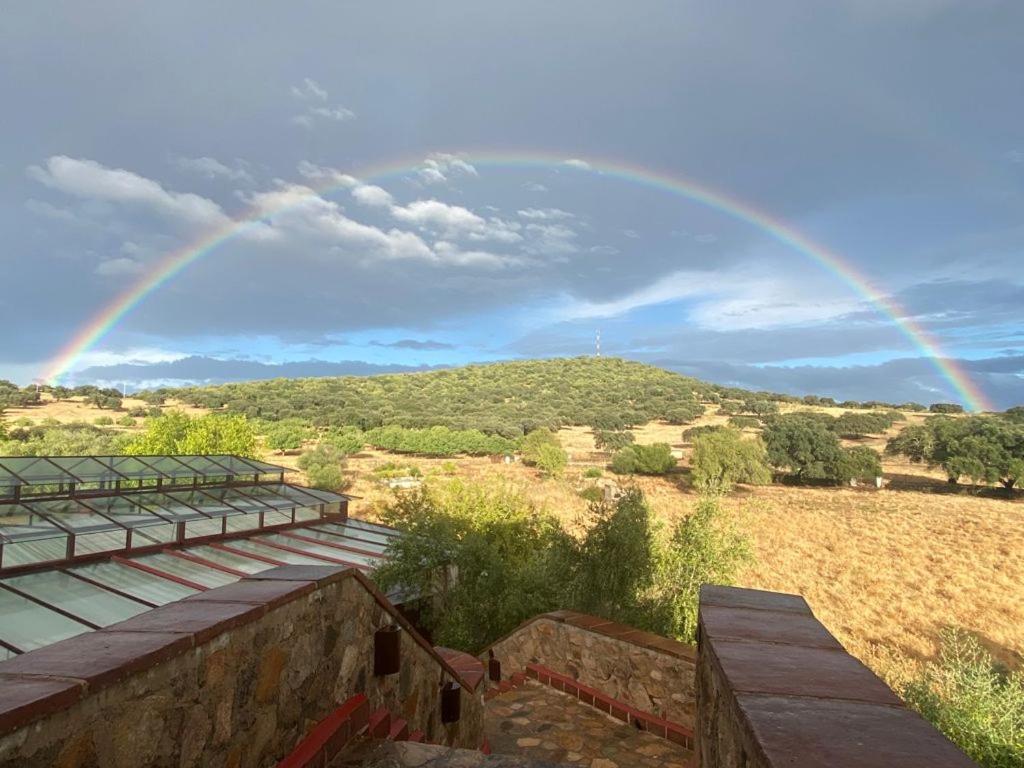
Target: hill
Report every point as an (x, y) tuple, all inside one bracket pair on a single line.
[(508, 398)]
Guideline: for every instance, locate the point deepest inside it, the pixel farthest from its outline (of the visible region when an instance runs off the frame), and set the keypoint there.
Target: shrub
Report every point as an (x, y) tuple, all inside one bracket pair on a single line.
[(744, 422), (621, 535), (486, 555), (976, 704), (654, 459), (592, 472), (324, 467), (126, 421), (436, 441), (721, 459), (691, 434), (592, 494), (542, 449), (175, 432), (946, 408), (287, 435), (103, 421), (609, 440), (349, 442), (704, 548), (139, 412)]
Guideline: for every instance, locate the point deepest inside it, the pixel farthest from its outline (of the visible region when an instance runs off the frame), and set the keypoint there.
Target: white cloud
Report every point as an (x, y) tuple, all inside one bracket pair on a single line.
[(323, 175), (573, 162), (544, 214), (90, 180), (440, 166), (532, 186), (454, 221), (373, 196), (211, 168), (297, 212), (733, 300), (309, 90)]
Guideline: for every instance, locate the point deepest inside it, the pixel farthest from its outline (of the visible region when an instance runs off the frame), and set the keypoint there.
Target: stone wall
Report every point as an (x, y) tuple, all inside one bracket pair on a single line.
[(775, 688), (646, 671), (232, 677)]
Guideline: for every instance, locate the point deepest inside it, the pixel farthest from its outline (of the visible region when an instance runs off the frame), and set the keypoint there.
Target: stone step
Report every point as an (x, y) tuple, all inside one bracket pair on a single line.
[(407, 754)]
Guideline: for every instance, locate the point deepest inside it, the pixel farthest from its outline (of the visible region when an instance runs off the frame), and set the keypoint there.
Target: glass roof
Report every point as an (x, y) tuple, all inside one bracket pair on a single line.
[(40, 607), (37, 530), (56, 470)]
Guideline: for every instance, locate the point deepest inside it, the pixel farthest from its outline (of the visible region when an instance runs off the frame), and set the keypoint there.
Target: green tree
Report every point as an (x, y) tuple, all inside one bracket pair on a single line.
[(175, 432), (704, 548), (859, 463), (621, 534), (488, 558), (610, 440), (978, 705), (722, 458), (945, 408), (804, 446), (324, 466), (287, 435)]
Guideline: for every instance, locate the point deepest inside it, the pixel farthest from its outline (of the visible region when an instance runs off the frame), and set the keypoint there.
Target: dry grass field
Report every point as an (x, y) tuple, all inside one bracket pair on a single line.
[(885, 569)]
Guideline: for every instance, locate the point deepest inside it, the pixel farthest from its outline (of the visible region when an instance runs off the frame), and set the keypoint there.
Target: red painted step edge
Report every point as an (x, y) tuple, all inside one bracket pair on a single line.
[(330, 735), (379, 724), (399, 730), (647, 721)]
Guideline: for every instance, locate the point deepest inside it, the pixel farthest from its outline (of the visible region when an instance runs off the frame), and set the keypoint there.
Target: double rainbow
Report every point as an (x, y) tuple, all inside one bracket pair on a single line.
[(174, 262)]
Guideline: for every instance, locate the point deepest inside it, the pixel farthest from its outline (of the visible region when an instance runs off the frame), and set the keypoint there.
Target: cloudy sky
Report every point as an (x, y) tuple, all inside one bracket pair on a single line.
[(431, 184)]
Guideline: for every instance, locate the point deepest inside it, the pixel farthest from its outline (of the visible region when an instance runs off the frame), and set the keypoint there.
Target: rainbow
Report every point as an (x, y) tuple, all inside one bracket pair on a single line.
[(174, 262)]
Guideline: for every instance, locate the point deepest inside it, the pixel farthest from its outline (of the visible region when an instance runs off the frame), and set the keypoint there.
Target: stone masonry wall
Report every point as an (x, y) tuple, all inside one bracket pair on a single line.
[(232, 677), (646, 671), (775, 688)]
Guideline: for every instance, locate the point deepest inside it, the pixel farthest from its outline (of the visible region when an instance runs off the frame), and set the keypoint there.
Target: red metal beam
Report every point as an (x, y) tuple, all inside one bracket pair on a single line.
[(157, 572)]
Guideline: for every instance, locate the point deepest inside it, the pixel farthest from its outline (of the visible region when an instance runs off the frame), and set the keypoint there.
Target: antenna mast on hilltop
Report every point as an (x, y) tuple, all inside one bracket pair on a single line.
[(597, 343)]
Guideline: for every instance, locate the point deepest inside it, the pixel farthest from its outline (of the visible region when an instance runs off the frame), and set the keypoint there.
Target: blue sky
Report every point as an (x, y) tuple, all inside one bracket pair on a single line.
[(889, 131)]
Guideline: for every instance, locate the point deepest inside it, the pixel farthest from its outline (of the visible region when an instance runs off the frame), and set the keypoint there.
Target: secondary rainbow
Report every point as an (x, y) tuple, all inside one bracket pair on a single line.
[(174, 262)]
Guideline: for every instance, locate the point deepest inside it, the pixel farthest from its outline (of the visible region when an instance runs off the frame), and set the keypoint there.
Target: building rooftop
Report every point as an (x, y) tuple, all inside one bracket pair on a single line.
[(75, 558)]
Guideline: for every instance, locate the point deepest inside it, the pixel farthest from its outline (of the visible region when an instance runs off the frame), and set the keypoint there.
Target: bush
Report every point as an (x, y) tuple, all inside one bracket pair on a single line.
[(348, 442), (542, 449), (175, 432), (691, 434), (139, 412), (945, 408), (976, 704), (704, 548), (592, 472), (437, 441), (287, 435), (592, 494), (103, 421), (721, 459), (744, 422), (608, 440), (486, 555), (655, 459), (324, 467), (126, 421)]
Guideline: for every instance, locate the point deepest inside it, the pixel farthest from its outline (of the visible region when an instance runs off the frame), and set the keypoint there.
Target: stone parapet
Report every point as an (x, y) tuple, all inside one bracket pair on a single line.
[(234, 676), (775, 688), (648, 672)]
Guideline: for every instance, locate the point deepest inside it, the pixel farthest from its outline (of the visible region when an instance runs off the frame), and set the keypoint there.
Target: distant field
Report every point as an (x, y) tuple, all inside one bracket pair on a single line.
[(885, 570)]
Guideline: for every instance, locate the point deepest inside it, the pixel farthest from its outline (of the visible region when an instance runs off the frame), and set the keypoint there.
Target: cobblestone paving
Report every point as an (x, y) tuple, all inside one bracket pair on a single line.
[(544, 724)]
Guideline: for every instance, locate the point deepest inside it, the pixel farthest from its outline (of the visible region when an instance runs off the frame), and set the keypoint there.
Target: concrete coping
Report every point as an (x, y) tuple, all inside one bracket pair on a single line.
[(798, 697), (44, 681)]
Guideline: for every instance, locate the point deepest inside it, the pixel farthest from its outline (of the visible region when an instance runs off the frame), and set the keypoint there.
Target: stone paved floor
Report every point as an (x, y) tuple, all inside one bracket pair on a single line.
[(544, 724)]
